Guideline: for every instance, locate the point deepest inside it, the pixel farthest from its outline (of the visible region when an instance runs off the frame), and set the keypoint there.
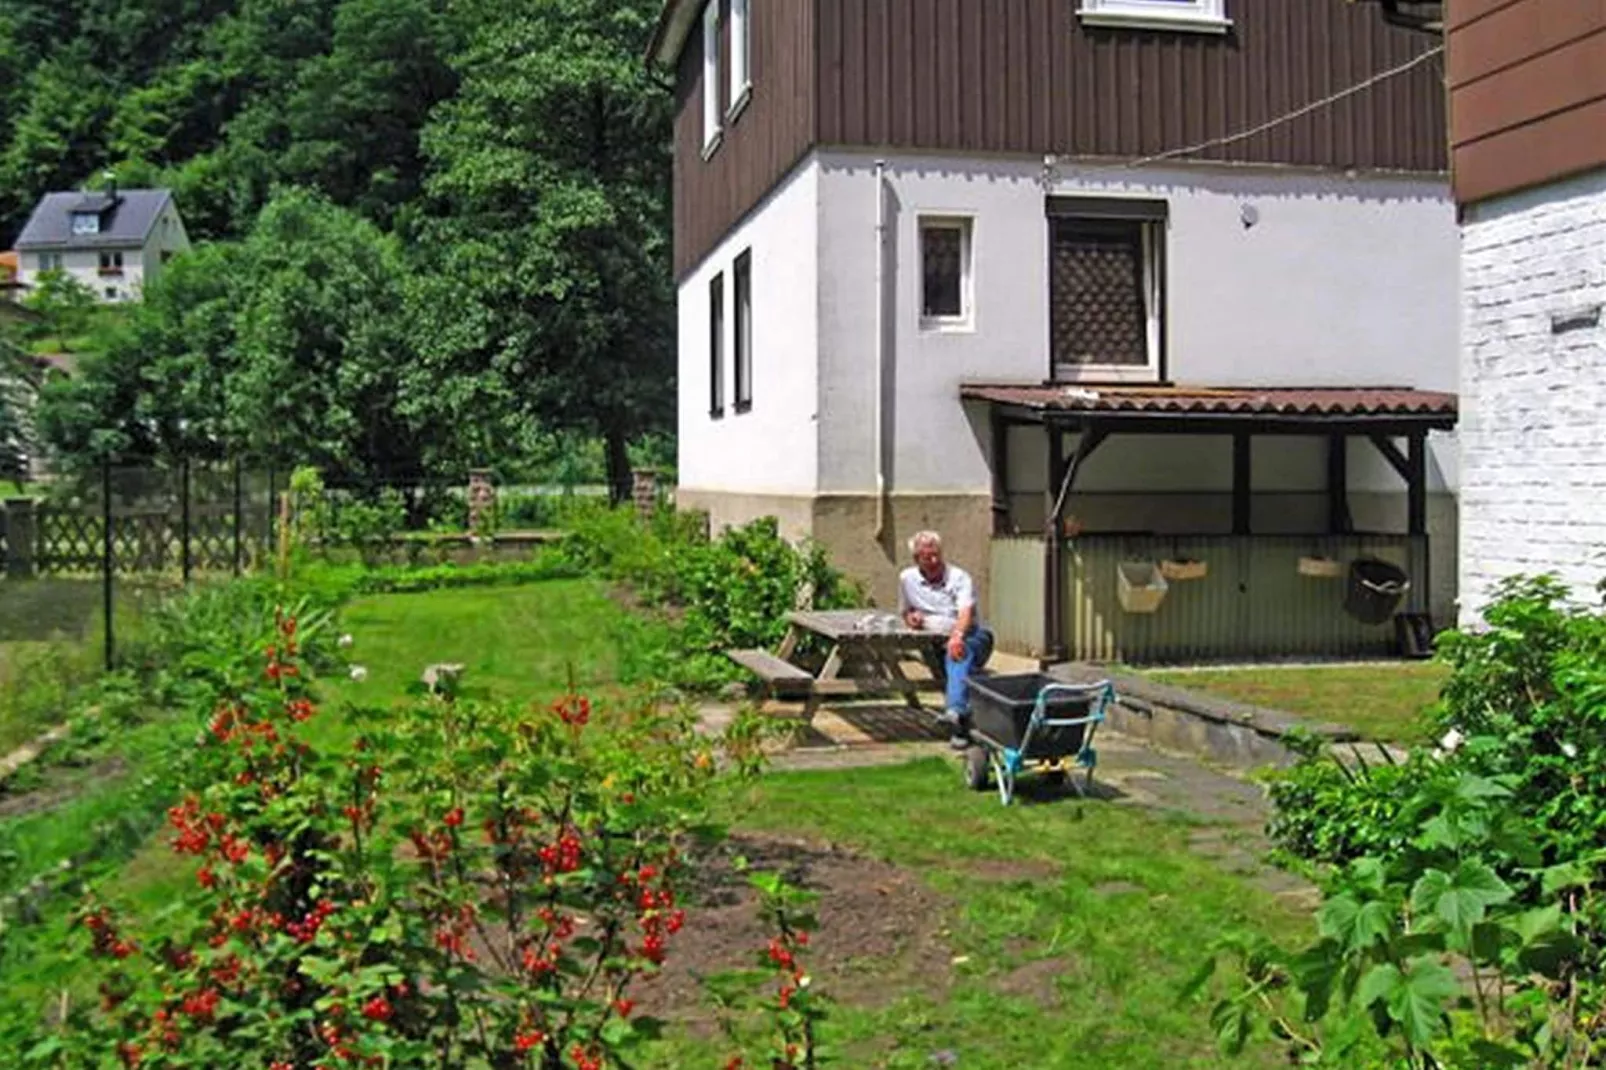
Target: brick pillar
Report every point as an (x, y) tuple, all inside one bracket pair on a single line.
[(644, 491), (22, 537), (481, 499)]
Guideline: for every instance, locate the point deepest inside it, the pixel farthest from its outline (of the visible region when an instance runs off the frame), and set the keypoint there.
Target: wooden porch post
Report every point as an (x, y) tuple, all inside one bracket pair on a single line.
[(1416, 490), (1240, 482), (1053, 556), (1339, 521), (1000, 428)]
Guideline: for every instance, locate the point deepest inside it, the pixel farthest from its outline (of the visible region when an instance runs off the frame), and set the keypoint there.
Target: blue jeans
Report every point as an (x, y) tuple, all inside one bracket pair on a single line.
[(978, 650)]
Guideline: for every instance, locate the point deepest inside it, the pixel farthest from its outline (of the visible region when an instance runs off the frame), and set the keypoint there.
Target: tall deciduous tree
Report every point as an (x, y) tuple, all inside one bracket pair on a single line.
[(549, 234)]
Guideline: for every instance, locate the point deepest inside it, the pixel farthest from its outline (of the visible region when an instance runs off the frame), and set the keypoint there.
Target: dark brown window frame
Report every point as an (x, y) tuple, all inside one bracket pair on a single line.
[(742, 321), (1154, 215), (716, 346)]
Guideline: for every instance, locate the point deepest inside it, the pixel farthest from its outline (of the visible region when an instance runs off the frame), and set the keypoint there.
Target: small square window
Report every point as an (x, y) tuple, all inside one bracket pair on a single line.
[(945, 272), (1206, 16)]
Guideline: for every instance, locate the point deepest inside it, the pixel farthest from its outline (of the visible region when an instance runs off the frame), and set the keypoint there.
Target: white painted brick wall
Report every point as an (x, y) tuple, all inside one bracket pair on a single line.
[(1533, 402)]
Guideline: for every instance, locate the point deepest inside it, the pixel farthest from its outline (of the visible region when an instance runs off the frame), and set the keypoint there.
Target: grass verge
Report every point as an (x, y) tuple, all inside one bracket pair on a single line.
[(1384, 702)]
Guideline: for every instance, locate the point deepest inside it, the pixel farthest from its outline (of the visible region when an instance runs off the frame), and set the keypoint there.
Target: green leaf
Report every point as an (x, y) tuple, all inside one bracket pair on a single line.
[(1379, 984), (1356, 926), (1492, 1056), (1472, 787), (1418, 1004), (1231, 1023), (1197, 980), (1459, 900), (1558, 879)]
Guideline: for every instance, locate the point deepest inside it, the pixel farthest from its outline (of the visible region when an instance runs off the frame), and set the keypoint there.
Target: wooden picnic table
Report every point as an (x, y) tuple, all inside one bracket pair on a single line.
[(866, 650)]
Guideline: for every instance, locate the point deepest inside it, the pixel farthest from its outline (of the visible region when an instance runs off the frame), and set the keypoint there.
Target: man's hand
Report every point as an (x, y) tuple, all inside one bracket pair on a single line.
[(914, 619), (956, 646)]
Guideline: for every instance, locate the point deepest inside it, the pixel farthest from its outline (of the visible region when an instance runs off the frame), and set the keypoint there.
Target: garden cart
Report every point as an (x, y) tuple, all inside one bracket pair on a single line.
[(1032, 722)]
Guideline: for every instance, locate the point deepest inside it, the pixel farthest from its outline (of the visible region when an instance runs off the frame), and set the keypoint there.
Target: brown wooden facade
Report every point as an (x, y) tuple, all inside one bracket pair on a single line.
[(1527, 92), (1028, 77)]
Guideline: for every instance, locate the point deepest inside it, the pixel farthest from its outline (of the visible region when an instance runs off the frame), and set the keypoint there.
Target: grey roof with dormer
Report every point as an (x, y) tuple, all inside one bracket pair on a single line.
[(128, 222)]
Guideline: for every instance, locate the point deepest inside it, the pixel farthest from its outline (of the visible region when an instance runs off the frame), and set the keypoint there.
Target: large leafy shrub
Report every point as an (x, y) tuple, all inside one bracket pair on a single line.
[(1487, 848), (731, 591)]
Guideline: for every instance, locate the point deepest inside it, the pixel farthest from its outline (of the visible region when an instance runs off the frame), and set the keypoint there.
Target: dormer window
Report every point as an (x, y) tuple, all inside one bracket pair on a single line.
[(85, 223)]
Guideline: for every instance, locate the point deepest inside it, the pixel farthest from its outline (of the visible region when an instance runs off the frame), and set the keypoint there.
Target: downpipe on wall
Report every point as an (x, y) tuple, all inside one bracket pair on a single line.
[(879, 406)]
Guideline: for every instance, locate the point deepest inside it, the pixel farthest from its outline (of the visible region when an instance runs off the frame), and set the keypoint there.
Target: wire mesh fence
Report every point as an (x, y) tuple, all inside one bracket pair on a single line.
[(79, 554)]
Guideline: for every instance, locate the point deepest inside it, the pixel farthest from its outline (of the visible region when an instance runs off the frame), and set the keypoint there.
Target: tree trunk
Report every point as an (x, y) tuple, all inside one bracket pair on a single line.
[(618, 466)]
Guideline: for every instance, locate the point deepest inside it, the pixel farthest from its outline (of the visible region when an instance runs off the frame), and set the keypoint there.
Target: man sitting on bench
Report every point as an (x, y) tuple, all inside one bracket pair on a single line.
[(935, 596)]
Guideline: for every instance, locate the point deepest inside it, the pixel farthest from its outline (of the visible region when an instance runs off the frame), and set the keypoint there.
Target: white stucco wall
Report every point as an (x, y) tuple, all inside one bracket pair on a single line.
[(167, 236), (1533, 394), (772, 448), (84, 266), (1342, 281)]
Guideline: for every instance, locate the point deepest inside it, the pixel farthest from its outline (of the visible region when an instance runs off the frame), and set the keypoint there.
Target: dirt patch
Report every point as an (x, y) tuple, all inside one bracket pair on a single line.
[(879, 927), (1036, 981), (59, 787), (1007, 870)]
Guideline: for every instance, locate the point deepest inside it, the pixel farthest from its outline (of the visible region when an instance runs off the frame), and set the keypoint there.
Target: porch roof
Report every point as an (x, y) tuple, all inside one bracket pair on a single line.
[(1202, 408)]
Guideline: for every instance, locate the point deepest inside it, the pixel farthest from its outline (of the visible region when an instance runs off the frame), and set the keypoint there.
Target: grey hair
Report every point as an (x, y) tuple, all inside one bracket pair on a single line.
[(921, 538)]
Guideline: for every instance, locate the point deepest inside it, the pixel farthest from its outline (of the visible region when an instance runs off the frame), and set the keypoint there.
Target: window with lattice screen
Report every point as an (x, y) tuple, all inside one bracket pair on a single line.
[(1104, 297)]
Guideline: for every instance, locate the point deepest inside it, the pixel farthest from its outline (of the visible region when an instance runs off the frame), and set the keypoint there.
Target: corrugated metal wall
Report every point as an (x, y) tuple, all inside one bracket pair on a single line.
[(1016, 595), (1252, 603)]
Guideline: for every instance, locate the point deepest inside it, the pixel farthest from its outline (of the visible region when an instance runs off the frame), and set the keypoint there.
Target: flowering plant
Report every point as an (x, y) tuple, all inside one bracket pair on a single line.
[(464, 884)]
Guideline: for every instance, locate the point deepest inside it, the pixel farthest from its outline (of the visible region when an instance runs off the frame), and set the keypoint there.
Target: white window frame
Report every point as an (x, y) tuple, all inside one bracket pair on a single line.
[(741, 57), (712, 131), (1197, 16), (966, 225), (1152, 235), (85, 223)]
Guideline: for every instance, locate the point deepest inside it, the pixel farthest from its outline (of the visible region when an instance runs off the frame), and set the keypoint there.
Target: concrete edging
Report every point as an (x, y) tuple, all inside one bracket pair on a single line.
[(1219, 729)]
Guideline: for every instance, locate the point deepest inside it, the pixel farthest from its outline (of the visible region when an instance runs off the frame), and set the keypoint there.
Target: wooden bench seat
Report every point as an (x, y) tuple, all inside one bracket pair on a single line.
[(781, 675)]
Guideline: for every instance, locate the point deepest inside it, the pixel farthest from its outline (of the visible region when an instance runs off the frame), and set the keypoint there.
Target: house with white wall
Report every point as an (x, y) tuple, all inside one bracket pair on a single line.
[(112, 242), (1082, 284), (1528, 107)]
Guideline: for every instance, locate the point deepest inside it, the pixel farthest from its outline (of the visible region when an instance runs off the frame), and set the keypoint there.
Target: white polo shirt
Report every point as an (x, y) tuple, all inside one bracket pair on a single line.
[(939, 602)]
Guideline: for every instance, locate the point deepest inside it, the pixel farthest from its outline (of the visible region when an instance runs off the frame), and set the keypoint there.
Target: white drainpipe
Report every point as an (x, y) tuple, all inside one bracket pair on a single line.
[(880, 347)]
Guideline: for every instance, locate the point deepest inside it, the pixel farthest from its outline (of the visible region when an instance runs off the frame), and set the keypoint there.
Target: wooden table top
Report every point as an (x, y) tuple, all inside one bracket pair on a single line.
[(849, 625)]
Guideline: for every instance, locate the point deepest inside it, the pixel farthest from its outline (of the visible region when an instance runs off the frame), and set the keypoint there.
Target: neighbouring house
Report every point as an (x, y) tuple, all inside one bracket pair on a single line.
[(113, 242), (1528, 134), (1148, 305)]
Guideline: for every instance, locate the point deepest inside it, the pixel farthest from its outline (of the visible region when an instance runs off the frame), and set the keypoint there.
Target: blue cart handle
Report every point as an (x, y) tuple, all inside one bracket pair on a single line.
[(1102, 692)]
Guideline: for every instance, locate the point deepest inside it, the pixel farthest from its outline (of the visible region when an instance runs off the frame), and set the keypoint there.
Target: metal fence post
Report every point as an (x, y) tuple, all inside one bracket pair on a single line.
[(184, 517), (107, 559), (239, 515)]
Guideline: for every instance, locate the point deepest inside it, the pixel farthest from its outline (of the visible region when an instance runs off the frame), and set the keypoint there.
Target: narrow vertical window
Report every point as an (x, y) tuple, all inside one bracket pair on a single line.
[(741, 55), (743, 283), (945, 270), (716, 347), (711, 131)]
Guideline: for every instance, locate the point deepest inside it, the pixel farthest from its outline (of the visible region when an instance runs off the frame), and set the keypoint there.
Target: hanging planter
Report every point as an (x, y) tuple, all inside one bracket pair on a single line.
[(1321, 568), (1140, 586), (1184, 568)]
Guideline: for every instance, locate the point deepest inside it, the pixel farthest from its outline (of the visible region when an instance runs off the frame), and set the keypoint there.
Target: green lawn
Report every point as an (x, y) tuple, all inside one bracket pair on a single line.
[(1061, 931), (1072, 924), (1382, 702)]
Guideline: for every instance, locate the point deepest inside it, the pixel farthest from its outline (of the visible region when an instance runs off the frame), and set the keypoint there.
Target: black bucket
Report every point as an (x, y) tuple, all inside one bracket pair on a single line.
[(1375, 590), (1001, 708)]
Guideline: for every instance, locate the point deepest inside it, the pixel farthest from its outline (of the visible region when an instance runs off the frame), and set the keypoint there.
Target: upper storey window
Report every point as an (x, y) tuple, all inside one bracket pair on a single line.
[(711, 114), (1207, 16), (741, 56)]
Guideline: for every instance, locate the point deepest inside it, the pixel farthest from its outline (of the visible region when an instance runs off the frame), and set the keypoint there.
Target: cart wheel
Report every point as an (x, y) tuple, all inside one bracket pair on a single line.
[(976, 763)]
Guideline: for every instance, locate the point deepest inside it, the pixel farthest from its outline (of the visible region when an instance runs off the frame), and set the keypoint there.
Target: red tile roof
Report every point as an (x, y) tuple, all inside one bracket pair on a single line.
[(1234, 400)]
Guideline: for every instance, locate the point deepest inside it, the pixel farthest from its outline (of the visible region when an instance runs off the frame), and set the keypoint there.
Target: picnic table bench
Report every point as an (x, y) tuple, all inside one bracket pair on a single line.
[(866, 648)]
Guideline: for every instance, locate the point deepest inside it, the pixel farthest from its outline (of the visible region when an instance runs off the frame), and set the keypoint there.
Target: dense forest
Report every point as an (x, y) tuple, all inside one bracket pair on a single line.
[(429, 234)]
